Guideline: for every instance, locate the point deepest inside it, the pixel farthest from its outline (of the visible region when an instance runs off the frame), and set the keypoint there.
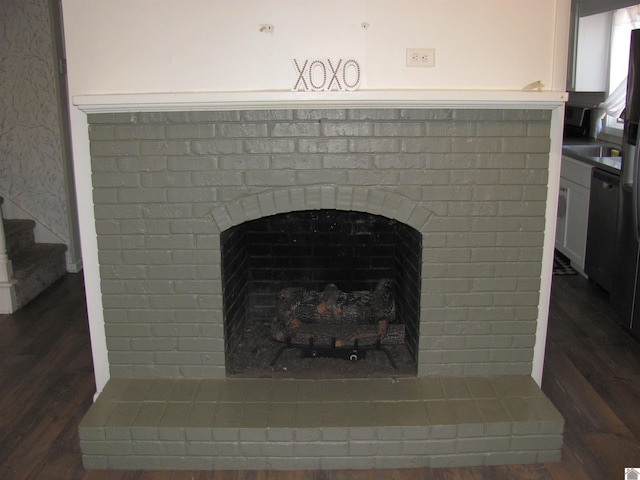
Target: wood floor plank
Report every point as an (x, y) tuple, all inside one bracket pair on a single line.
[(576, 399)]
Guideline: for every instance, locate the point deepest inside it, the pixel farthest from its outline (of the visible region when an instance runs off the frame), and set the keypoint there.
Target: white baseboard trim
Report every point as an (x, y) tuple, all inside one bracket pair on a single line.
[(8, 301)]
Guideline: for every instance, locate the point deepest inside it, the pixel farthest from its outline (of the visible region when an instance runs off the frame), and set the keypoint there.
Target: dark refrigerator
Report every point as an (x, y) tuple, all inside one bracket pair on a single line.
[(625, 292)]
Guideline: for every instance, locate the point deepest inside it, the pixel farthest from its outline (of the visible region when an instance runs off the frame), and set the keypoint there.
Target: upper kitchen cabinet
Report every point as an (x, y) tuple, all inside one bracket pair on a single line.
[(592, 53), (590, 44)]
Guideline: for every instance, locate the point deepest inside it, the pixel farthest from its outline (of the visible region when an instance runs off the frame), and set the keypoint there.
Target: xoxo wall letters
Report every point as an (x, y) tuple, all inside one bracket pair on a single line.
[(325, 75)]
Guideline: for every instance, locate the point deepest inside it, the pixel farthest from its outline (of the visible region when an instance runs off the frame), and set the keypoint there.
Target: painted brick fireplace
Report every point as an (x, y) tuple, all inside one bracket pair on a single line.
[(168, 185)]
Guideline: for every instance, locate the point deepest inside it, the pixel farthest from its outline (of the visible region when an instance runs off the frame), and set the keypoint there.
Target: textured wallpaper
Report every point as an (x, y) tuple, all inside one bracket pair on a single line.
[(31, 168)]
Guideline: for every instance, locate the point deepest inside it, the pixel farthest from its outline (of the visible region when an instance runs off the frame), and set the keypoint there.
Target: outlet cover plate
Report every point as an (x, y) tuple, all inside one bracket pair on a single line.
[(421, 57)]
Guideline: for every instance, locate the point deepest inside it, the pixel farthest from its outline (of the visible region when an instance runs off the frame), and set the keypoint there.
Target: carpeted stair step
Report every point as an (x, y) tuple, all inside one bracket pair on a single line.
[(19, 236), (35, 268)]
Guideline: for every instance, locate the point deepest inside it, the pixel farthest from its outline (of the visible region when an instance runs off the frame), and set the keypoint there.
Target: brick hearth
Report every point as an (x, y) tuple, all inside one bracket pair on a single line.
[(231, 424)]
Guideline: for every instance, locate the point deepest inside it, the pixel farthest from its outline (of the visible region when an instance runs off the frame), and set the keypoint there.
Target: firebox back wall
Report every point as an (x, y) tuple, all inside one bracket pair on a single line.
[(473, 182)]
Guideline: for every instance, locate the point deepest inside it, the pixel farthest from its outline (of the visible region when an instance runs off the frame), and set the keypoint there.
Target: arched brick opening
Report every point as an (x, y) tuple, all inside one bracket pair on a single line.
[(311, 249)]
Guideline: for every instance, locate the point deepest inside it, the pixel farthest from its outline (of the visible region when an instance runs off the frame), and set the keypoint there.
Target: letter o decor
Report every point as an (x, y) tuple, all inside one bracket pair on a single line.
[(326, 75)]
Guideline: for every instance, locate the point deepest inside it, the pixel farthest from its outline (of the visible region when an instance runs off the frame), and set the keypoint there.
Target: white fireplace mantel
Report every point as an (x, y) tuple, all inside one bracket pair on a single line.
[(264, 100)]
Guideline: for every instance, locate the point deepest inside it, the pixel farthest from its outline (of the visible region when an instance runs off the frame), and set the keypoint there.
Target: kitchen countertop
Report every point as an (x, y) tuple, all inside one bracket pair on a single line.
[(609, 164)]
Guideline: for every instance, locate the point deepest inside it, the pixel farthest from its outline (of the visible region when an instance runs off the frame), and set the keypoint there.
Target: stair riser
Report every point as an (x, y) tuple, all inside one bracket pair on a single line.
[(39, 279), (19, 236)]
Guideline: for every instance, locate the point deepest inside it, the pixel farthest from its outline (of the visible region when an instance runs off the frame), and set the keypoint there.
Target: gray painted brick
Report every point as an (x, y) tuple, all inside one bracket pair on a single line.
[(117, 180), (500, 205), (323, 145), (218, 146), (451, 129), (126, 301), (398, 129), (171, 242), (101, 132), (295, 129), (329, 114), (95, 462), (399, 161), (141, 164), (127, 330), (115, 148), (200, 344), (499, 160), (242, 130), (213, 116), (477, 145), (486, 115), (373, 114), (219, 177), (141, 195), (426, 145), (298, 161), (315, 177), (191, 195), (470, 445), (502, 129), (269, 145), (202, 130), (347, 161), (266, 115), (384, 177), (165, 179), (131, 118), (273, 178), (131, 358), (347, 129), (162, 117), (244, 162), (426, 114), (104, 164), (132, 132), (165, 147), (525, 144), (536, 160), (524, 177), (154, 344), (374, 145), (191, 163)]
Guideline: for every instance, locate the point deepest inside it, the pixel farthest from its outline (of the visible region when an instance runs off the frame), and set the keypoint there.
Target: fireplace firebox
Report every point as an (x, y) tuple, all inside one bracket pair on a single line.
[(310, 249)]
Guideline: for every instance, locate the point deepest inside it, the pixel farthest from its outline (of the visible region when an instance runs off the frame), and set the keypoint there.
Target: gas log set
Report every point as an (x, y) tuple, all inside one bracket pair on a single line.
[(337, 324), (326, 334)]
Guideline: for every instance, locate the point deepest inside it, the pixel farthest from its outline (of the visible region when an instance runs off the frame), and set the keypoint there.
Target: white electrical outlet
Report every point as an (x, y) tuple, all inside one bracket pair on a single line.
[(421, 57)]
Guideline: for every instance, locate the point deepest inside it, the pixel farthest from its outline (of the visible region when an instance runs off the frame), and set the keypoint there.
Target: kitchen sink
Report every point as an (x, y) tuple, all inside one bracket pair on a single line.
[(591, 150), (597, 154)]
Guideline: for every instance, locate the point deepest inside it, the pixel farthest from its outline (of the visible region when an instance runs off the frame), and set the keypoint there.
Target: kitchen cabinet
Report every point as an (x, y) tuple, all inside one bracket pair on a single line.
[(573, 211), (592, 53)]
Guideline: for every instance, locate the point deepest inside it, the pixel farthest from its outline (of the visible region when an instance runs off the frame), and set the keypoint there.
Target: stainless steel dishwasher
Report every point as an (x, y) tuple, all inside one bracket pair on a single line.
[(603, 215)]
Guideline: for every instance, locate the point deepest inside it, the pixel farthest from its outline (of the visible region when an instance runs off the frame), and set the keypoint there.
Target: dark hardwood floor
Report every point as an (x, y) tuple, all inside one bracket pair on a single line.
[(592, 375)]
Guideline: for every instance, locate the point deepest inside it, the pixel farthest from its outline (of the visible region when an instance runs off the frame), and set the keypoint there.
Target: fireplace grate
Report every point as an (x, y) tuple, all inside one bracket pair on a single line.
[(352, 353)]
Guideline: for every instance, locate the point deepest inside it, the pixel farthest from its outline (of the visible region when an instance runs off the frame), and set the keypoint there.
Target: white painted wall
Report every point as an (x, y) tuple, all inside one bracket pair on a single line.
[(166, 50), (130, 46)]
